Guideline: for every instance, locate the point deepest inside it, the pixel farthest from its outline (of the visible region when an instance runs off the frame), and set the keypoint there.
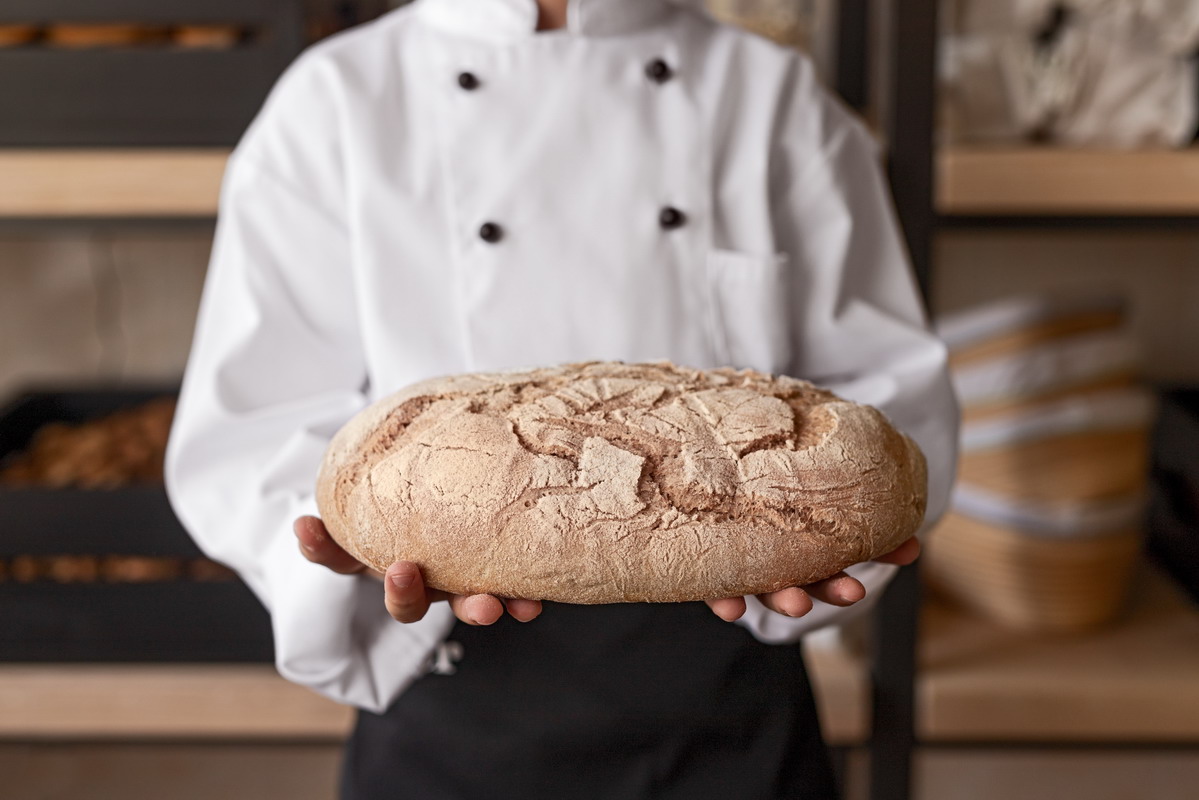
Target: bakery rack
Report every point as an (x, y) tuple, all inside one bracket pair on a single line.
[(1021, 188)]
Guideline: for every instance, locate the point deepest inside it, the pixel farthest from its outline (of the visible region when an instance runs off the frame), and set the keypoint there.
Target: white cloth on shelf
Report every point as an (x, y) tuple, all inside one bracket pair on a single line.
[(1170, 26), (988, 17), (1116, 74)]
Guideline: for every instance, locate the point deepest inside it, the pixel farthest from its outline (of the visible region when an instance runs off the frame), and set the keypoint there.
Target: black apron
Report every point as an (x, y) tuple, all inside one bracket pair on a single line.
[(619, 701)]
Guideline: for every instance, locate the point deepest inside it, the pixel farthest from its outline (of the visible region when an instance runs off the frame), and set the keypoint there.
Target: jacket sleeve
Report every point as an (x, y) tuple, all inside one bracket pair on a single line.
[(276, 367), (860, 328)]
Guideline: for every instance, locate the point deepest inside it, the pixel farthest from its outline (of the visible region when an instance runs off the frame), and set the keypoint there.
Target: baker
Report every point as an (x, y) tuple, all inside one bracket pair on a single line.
[(477, 185)]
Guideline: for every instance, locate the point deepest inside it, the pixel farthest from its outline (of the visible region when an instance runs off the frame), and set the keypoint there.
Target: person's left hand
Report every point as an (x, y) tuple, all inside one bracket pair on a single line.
[(837, 590)]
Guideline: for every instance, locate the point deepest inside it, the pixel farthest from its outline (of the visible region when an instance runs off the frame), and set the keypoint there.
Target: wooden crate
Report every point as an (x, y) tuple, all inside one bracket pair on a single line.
[(149, 94), (178, 618)]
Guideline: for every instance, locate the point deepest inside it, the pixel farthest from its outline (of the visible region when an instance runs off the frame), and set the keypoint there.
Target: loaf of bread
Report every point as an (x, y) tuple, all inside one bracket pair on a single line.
[(126, 447), (102, 35), (607, 482)]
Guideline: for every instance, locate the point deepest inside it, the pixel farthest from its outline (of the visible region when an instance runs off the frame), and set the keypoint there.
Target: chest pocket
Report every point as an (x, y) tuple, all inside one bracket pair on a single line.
[(750, 309)]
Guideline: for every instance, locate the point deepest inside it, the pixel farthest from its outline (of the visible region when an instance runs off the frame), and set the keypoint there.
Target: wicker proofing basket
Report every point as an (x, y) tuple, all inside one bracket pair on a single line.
[(1032, 583), (1045, 527), (1083, 467), (1045, 532)]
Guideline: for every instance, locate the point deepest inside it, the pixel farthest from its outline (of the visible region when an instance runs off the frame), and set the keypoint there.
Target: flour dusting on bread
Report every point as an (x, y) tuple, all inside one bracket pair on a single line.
[(608, 482)]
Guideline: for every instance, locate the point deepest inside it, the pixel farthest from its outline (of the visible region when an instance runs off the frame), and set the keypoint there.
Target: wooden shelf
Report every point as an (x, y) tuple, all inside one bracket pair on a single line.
[(87, 702), (971, 181), (159, 183), (1134, 681), (1131, 682), (1045, 181), (240, 702)]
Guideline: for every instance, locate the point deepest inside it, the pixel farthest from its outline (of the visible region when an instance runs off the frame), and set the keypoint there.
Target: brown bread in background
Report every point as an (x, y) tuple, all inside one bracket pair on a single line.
[(124, 448)]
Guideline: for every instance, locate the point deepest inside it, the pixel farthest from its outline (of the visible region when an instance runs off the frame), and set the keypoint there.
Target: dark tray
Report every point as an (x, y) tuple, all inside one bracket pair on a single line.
[(135, 96), (167, 621)]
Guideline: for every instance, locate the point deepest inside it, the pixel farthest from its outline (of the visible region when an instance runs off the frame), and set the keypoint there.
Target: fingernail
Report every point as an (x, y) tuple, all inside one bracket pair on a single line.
[(402, 580)]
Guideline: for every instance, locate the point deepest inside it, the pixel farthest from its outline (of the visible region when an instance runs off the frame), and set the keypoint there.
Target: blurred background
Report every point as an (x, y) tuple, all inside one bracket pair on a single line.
[(1044, 165)]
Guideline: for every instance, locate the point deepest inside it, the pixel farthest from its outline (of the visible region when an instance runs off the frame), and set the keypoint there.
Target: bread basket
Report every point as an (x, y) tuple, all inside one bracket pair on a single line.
[(1046, 519)]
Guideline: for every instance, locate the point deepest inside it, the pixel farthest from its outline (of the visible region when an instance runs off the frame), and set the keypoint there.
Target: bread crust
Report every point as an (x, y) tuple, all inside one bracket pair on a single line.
[(607, 482)]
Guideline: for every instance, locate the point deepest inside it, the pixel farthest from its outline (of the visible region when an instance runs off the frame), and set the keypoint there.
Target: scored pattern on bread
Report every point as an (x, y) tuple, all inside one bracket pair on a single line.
[(609, 482)]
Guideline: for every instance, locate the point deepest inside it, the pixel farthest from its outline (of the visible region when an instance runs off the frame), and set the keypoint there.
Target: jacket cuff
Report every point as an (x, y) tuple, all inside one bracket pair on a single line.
[(333, 633), (772, 628)]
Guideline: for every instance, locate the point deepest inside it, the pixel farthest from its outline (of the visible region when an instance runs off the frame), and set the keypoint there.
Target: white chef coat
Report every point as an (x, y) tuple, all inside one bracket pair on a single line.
[(350, 260)]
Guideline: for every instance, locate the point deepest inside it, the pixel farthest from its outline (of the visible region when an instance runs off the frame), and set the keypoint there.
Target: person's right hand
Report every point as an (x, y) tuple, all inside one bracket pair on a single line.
[(405, 594)]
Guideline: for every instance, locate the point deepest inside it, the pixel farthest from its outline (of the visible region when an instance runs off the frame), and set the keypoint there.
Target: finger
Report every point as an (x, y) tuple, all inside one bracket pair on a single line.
[(837, 590), (523, 610), (727, 608), (318, 547), (791, 602), (476, 609), (905, 554), (404, 592)]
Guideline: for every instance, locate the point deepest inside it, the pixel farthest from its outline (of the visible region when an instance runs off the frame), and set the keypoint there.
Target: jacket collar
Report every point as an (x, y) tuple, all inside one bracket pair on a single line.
[(514, 19)]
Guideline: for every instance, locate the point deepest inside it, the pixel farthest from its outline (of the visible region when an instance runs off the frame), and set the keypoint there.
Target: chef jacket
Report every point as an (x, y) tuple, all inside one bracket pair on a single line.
[(444, 190)]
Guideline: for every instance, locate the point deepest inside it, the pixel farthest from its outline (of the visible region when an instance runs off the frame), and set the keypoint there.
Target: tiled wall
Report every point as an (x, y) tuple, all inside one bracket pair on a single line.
[(98, 305)]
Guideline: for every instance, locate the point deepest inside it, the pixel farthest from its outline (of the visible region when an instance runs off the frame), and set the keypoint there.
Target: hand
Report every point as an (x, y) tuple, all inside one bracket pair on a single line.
[(404, 591), (837, 590)]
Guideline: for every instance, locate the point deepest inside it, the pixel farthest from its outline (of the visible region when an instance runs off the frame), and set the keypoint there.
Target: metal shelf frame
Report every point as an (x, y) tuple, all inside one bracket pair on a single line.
[(909, 45)]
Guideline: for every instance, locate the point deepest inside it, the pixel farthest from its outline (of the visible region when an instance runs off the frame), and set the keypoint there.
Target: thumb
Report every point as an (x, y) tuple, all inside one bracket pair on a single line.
[(318, 547)]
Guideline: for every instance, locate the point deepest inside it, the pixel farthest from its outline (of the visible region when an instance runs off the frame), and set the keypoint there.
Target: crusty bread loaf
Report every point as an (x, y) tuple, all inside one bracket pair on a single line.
[(606, 482)]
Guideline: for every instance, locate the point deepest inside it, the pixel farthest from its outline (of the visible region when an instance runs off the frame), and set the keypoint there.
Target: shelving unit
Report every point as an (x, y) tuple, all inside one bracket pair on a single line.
[(976, 683)]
